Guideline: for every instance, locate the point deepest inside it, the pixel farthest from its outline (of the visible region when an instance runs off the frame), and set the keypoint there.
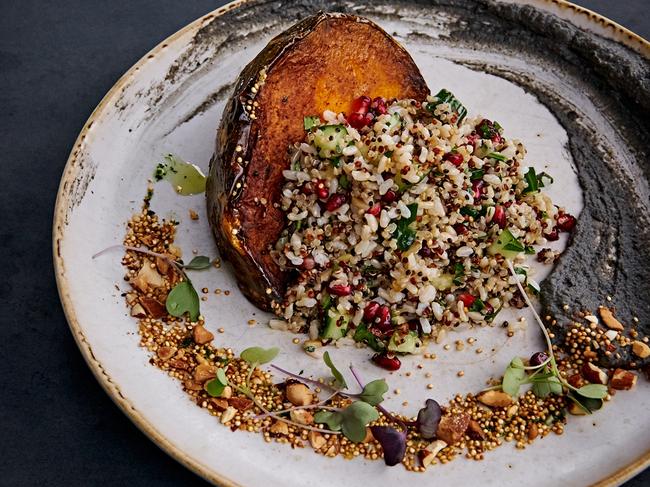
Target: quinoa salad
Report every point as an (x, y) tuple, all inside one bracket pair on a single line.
[(401, 220)]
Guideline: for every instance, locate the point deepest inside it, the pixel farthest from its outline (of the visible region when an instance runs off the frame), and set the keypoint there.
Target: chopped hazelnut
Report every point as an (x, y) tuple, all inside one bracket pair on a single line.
[(301, 416), (623, 379), (640, 349), (316, 440), (298, 394), (201, 335), (497, 399), (204, 372), (279, 428), (594, 374), (452, 427), (609, 320)]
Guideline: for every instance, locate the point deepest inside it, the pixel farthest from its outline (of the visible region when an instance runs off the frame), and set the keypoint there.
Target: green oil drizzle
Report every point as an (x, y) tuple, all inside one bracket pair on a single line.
[(185, 178)]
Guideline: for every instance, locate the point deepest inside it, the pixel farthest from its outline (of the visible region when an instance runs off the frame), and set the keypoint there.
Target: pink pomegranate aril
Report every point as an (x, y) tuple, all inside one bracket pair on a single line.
[(382, 318), (379, 106), (386, 361), (460, 229), (477, 188), (552, 236), (374, 210), (467, 299), (370, 311), (322, 191), (499, 216), (340, 289), (361, 105), (566, 222), (390, 196), (308, 263), (453, 157), (335, 202), (357, 120)]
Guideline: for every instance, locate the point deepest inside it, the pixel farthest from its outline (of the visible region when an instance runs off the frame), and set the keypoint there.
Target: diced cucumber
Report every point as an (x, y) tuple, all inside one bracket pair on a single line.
[(409, 343), (507, 245), (442, 282), (330, 140), (393, 123), (336, 324)]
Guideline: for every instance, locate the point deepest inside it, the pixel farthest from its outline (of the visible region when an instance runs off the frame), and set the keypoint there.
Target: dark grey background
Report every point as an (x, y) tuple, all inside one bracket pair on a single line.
[(57, 60)]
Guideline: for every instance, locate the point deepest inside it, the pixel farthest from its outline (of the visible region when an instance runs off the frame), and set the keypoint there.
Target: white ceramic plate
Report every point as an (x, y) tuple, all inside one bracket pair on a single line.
[(171, 101)]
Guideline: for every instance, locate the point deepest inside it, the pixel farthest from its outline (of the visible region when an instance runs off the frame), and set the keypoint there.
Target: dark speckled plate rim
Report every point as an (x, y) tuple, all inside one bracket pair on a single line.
[(562, 8)]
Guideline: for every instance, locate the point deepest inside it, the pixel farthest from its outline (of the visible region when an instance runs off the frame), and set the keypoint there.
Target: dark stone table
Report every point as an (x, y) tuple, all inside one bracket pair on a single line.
[(57, 60)]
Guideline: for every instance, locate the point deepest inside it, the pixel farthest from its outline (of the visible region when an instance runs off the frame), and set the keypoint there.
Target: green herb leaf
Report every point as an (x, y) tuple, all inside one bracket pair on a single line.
[(531, 181), (214, 387), (388, 153), (363, 335), (355, 418), (593, 391), (333, 419), (498, 156), (198, 263), (470, 211), (340, 381), (373, 392), (183, 299), (344, 182), (258, 355), (221, 376), (588, 404), (335, 161), (543, 386), (477, 305), (404, 234), (540, 179), (513, 377), (529, 250), (311, 122), (459, 273), (445, 96), (476, 174)]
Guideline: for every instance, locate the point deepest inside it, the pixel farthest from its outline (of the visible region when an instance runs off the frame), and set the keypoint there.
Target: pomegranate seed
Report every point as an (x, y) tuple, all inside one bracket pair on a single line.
[(375, 209), (460, 229), (308, 189), (335, 202), (361, 105), (379, 105), (499, 216), (477, 187), (538, 358), (553, 236), (489, 309), (371, 310), (357, 120), (472, 138), (321, 190), (308, 263), (566, 222), (467, 299), (390, 196), (453, 157), (497, 139), (387, 361), (340, 290), (382, 318)]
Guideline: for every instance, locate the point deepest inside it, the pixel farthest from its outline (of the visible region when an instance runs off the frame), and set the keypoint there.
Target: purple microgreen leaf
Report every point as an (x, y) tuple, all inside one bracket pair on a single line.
[(393, 443), (429, 419)]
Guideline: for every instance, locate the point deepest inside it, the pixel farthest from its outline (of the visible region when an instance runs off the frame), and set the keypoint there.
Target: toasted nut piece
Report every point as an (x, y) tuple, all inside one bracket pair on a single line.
[(640, 349), (201, 335), (427, 455), (226, 393), (219, 404), (512, 410), (240, 403), (138, 311), (317, 440), (228, 414), (153, 307), (177, 363), (279, 428), (452, 427), (190, 385), (147, 278), (298, 394), (623, 380), (533, 431), (576, 380), (475, 431), (301, 416), (204, 372), (333, 450), (576, 410), (165, 353), (609, 320), (131, 298), (497, 399), (369, 436), (594, 374), (162, 265)]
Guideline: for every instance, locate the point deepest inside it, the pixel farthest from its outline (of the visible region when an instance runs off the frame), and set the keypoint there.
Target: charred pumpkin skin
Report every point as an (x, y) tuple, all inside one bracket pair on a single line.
[(321, 63)]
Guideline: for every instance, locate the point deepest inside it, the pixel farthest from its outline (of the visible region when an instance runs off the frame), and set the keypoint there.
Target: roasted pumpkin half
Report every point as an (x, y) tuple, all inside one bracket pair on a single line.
[(322, 63)]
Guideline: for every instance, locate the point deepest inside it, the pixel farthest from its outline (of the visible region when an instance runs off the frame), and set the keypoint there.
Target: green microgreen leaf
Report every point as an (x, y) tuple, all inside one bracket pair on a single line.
[(593, 391), (198, 263), (531, 181), (588, 404), (362, 334), (333, 419), (355, 419), (221, 376), (514, 377), (214, 387), (340, 380), (373, 392), (258, 355), (183, 299), (545, 385)]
